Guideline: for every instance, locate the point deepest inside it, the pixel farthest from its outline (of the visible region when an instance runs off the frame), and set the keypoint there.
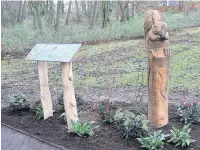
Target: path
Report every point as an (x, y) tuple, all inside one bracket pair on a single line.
[(15, 140)]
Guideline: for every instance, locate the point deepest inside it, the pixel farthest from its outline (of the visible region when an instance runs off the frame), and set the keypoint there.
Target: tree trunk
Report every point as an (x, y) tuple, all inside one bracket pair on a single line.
[(20, 11), (58, 15), (77, 12), (93, 15), (36, 6), (23, 11), (68, 12), (127, 13), (105, 11), (51, 13), (83, 7), (62, 7), (123, 15)]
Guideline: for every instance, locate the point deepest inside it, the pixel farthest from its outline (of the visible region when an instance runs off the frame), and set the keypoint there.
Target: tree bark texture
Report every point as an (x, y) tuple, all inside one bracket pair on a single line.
[(93, 15), (58, 15), (36, 6), (68, 12), (156, 38), (105, 13), (77, 12)]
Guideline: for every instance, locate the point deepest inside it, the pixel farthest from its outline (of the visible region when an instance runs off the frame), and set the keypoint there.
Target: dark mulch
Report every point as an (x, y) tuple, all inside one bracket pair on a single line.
[(105, 138)]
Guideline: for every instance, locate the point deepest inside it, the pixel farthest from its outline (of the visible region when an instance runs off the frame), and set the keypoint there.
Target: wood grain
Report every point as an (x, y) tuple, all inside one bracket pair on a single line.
[(44, 89), (69, 95)]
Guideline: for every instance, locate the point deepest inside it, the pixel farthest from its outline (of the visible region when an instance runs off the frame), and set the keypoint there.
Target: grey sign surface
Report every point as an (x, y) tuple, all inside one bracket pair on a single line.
[(53, 52)]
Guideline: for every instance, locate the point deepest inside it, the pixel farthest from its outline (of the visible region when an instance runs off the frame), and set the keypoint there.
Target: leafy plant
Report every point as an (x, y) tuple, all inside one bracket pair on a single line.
[(154, 141), (131, 125), (39, 110), (83, 129), (106, 110), (189, 112), (181, 137), (19, 102)]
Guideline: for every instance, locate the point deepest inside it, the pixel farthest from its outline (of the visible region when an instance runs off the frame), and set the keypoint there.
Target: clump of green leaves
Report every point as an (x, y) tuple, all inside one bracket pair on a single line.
[(19, 102), (131, 125), (189, 112), (106, 110), (83, 129), (154, 141), (38, 109), (181, 137)]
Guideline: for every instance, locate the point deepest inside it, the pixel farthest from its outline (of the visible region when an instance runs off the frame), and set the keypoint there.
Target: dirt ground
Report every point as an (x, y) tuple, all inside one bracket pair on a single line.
[(97, 68), (106, 137)]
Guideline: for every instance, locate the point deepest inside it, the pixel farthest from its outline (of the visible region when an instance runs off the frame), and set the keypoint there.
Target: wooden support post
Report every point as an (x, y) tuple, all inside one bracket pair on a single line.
[(69, 95), (157, 43), (44, 89)]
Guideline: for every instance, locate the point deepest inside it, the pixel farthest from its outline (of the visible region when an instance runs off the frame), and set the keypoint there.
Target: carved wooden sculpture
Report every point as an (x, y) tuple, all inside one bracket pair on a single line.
[(156, 38)]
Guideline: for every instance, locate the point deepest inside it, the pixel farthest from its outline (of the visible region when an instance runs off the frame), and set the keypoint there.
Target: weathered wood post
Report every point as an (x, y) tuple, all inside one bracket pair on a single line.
[(63, 53), (156, 38), (69, 95)]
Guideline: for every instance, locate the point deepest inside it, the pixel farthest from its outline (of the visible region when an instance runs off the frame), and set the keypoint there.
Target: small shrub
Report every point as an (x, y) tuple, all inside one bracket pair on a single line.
[(106, 110), (83, 129), (154, 141), (189, 112), (131, 125), (19, 102), (181, 137), (38, 110)]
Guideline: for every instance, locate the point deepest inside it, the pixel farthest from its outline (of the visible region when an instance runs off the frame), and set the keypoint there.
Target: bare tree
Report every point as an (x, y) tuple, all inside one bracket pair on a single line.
[(58, 15), (51, 13), (83, 5), (187, 5), (77, 12), (105, 15), (68, 12), (37, 17), (93, 15), (123, 5), (21, 13), (62, 7)]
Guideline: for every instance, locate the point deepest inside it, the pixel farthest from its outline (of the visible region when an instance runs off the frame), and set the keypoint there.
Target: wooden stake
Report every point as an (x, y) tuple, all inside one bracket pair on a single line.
[(69, 96), (44, 89)]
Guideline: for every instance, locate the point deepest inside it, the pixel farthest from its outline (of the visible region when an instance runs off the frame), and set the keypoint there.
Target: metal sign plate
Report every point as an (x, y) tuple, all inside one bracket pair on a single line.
[(53, 52)]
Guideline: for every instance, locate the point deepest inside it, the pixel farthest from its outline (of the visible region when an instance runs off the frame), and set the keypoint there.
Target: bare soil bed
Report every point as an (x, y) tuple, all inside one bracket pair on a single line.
[(105, 138)]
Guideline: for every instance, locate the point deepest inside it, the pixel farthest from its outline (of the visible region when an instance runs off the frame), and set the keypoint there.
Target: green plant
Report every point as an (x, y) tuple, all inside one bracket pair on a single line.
[(39, 110), (181, 137), (189, 112), (131, 125), (154, 141), (83, 129), (106, 110), (19, 102)]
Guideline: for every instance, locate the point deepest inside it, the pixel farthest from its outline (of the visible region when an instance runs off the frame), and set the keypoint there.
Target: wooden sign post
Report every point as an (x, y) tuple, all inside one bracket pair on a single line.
[(63, 53), (157, 43)]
